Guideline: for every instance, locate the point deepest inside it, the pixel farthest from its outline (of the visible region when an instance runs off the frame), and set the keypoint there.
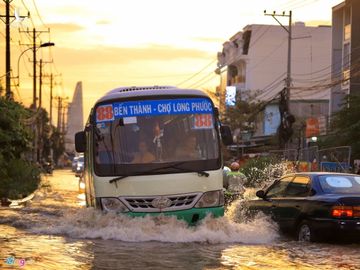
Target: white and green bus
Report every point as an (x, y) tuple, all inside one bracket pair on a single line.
[(154, 150)]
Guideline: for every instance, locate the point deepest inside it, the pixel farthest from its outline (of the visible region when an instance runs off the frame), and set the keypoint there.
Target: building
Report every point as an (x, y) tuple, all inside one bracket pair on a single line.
[(254, 63), (345, 52), (75, 122)]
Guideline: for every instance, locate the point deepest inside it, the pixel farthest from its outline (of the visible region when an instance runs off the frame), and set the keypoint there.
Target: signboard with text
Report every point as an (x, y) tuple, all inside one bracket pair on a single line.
[(109, 112)]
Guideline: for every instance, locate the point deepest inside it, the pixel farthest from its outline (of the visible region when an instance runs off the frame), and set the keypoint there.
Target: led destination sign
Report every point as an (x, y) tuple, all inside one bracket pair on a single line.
[(117, 110)]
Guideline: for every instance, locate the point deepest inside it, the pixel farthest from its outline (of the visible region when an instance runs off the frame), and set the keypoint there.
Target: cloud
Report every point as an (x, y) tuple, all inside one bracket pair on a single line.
[(65, 27), (209, 39), (118, 55), (317, 23), (102, 22)]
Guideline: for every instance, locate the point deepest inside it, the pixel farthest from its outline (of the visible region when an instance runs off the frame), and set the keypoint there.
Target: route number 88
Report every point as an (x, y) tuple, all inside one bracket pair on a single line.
[(104, 113)]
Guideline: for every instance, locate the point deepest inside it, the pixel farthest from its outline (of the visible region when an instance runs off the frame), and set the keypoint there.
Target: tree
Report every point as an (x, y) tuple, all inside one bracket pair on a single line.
[(243, 115), (346, 127), (57, 143), (15, 137), (18, 177)]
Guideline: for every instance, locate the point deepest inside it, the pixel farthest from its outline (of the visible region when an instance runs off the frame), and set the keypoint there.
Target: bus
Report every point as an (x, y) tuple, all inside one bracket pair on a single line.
[(154, 150)]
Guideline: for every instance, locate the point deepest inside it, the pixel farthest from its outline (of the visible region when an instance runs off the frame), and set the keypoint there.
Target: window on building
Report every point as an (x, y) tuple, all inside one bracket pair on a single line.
[(246, 38), (346, 61)]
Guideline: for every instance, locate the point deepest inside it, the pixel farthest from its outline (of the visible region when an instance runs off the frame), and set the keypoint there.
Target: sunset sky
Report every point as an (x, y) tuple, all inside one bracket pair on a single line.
[(107, 44)]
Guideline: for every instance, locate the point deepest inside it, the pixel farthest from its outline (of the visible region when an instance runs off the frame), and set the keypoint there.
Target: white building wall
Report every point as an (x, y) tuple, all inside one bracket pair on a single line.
[(266, 60)]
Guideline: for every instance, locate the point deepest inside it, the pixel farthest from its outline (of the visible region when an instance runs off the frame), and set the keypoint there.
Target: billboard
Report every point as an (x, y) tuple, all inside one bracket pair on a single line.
[(230, 96), (271, 119), (312, 127)]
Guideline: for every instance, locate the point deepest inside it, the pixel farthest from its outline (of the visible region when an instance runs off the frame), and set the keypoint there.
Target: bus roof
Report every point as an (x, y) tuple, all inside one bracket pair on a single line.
[(141, 91)]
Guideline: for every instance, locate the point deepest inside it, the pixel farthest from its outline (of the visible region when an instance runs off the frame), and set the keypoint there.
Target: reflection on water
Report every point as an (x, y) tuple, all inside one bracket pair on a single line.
[(55, 232), (61, 252)]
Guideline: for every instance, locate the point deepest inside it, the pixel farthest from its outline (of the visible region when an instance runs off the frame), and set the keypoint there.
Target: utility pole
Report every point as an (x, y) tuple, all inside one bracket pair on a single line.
[(59, 113), (51, 98), (41, 76), (34, 69), (35, 46), (7, 56), (289, 31), (40, 83), (7, 22), (285, 130), (63, 119), (51, 86)]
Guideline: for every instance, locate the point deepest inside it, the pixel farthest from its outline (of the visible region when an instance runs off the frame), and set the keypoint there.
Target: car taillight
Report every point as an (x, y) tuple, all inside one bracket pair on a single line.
[(340, 211), (356, 210)]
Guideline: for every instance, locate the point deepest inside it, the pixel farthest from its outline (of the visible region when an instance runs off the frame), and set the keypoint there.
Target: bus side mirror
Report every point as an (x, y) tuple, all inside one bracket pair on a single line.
[(80, 142), (226, 135), (260, 194)]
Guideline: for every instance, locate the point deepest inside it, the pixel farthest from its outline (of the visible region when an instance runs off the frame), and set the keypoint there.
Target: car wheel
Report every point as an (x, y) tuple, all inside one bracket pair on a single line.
[(305, 232)]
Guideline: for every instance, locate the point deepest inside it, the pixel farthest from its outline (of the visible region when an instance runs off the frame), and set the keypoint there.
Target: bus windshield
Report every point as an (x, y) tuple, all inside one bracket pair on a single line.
[(137, 136)]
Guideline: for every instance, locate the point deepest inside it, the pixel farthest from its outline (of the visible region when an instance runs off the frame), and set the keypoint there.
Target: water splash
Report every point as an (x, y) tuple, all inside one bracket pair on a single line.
[(55, 213), (90, 223)]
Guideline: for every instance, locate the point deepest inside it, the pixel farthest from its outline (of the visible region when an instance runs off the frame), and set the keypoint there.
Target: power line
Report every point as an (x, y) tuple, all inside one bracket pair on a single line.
[(303, 3), (25, 6), (38, 13), (204, 82), (197, 73), (267, 56)]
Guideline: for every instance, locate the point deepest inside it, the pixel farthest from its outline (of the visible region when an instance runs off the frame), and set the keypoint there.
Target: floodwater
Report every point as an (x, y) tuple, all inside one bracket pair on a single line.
[(55, 231)]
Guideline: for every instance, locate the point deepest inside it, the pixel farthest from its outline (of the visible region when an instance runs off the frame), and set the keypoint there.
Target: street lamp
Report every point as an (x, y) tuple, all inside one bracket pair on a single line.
[(46, 44)]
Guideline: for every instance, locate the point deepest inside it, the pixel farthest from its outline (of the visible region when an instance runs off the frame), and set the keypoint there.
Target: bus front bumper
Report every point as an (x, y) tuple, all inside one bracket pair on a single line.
[(191, 216)]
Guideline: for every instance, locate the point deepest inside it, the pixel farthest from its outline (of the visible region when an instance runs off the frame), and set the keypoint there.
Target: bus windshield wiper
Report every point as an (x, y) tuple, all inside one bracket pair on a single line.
[(114, 180), (172, 166), (176, 166)]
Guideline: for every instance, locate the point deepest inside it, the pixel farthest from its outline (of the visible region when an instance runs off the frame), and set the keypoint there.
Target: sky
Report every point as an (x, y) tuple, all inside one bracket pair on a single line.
[(113, 43)]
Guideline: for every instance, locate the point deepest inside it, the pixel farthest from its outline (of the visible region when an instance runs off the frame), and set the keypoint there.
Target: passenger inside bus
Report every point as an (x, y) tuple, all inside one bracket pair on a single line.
[(143, 155), (187, 150)]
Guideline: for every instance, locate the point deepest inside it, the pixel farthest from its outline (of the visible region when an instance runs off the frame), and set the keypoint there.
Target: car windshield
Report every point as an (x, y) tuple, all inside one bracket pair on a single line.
[(340, 184), (151, 133)]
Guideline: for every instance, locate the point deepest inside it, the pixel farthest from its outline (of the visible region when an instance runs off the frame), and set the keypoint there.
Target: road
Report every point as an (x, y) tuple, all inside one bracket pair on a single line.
[(55, 231)]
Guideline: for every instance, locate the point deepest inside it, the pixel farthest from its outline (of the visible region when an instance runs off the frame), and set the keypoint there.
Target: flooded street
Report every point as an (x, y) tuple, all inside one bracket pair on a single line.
[(55, 231)]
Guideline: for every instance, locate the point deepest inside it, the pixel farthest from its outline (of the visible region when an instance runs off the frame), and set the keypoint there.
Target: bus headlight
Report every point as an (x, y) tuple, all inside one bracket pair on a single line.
[(113, 205), (211, 199)]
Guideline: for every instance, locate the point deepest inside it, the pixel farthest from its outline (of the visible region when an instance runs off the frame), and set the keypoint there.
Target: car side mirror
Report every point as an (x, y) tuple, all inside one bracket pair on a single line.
[(312, 192), (226, 135), (260, 194), (80, 142)]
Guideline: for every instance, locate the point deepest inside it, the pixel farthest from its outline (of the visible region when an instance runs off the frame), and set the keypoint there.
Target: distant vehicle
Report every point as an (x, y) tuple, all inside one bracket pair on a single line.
[(47, 167), (79, 167), (313, 205), (154, 150), (74, 163)]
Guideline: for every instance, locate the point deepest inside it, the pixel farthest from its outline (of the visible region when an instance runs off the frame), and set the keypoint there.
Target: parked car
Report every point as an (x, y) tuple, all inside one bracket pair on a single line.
[(313, 205), (79, 167), (74, 163)]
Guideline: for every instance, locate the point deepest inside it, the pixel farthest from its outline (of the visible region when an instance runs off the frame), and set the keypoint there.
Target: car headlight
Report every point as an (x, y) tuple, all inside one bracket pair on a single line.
[(211, 199), (113, 205), (82, 185)]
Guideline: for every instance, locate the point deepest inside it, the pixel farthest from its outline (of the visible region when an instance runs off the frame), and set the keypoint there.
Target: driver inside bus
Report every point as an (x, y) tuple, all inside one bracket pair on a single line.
[(143, 155), (188, 149)]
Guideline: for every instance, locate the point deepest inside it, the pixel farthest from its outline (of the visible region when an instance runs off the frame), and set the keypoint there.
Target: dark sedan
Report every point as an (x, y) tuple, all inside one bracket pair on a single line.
[(313, 205)]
